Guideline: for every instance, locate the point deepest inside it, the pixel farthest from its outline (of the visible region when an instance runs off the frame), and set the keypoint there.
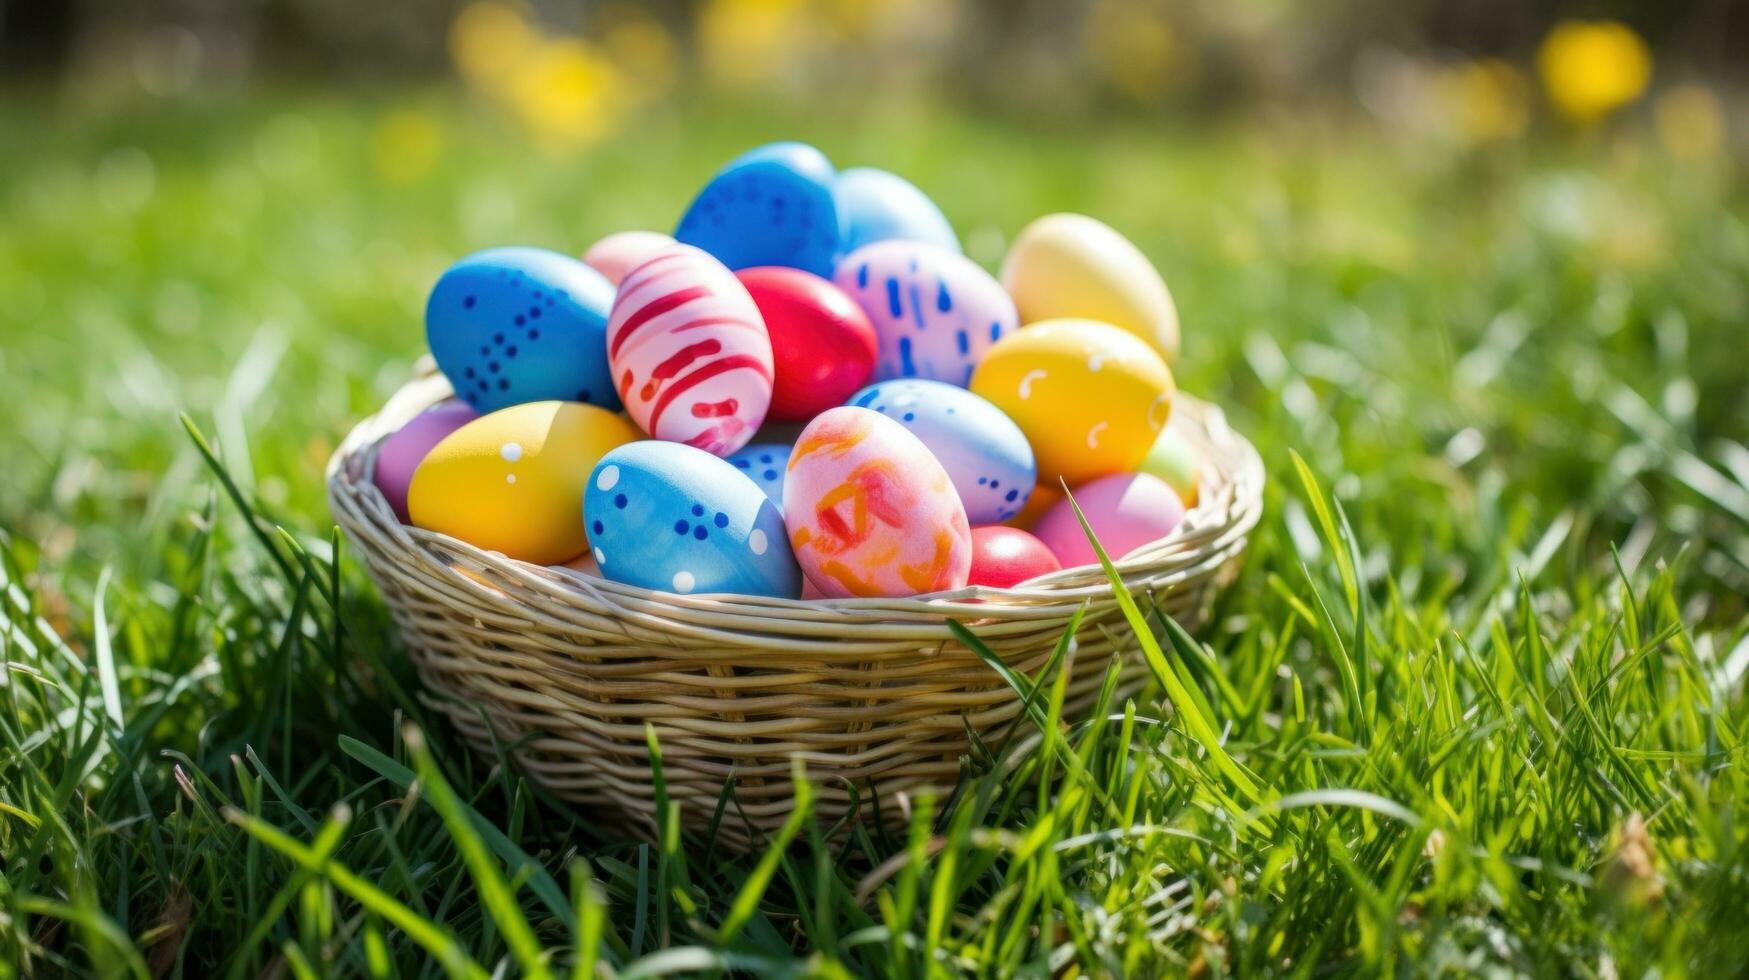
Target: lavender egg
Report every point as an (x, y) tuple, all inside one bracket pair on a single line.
[(402, 452), (764, 463), (514, 325), (935, 312), (663, 515), (984, 452)]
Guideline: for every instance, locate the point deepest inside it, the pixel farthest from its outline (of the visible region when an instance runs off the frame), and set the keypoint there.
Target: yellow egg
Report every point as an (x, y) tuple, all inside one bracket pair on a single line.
[(513, 481), (1070, 265), (1090, 397)]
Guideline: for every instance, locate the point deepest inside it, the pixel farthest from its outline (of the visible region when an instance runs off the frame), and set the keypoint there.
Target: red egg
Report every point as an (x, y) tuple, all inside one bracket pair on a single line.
[(822, 343), (1006, 556)]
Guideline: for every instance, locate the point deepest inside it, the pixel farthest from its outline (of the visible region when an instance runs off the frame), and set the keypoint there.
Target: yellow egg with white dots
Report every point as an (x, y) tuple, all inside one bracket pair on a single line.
[(1090, 397), (513, 481)]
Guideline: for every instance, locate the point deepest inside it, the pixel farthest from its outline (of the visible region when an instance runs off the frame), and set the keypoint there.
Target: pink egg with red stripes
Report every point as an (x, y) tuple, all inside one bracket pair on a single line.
[(689, 351)]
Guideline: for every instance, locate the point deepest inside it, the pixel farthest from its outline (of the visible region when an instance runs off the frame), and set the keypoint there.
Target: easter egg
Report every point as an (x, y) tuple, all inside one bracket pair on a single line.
[(689, 351), (769, 206), (663, 515), (935, 312), (513, 325), (1003, 557), (875, 205), (1070, 265), (983, 451), (1043, 498), (1125, 510), (512, 481), (619, 253), (1174, 460), (765, 464), (870, 511), (1091, 398), (822, 345), (402, 452)]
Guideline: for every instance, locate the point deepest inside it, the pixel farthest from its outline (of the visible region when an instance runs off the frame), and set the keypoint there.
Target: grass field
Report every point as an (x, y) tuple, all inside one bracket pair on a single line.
[(1480, 694)]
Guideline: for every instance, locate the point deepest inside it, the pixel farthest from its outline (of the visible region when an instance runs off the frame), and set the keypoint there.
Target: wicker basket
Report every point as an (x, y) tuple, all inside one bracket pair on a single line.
[(870, 693)]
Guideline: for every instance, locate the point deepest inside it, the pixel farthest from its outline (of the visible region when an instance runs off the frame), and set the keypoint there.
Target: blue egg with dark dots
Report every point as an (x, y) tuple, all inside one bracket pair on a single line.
[(765, 463), (770, 206), (876, 205), (516, 324), (667, 516), (985, 454)]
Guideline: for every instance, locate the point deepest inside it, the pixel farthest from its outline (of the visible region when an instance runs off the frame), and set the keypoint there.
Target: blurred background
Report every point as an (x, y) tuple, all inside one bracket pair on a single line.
[(1485, 246)]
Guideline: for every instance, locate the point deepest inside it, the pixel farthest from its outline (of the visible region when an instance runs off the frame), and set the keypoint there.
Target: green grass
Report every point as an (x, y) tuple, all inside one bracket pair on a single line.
[(1476, 705)]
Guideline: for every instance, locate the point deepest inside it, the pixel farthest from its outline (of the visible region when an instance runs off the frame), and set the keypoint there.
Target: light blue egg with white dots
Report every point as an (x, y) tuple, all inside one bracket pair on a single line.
[(667, 516), (765, 463), (772, 205), (985, 454), (514, 325)]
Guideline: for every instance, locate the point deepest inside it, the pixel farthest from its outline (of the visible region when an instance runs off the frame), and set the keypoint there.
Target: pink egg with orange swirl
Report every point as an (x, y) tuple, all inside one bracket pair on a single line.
[(689, 351), (870, 511)]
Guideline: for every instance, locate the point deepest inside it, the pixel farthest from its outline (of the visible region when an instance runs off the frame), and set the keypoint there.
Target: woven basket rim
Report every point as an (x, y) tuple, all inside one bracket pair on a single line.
[(1229, 506)]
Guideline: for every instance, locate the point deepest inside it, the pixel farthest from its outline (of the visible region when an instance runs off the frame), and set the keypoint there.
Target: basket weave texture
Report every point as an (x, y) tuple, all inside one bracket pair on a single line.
[(875, 696)]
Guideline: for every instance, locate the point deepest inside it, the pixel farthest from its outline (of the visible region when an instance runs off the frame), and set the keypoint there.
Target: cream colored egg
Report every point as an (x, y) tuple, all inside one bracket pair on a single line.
[(1070, 265), (1090, 398), (513, 481)]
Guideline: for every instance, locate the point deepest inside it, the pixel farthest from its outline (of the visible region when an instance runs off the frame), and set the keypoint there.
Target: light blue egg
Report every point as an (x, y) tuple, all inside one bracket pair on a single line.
[(769, 206), (765, 463), (663, 515), (985, 454), (516, 324), (875, 205)]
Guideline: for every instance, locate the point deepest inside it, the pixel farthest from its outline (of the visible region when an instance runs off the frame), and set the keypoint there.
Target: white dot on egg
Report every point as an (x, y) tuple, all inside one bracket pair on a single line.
[(600, 557), (756, 542), (608, 478), (1095, 362), (683, 582), (1026, 381), (510, 478), (511, 451), (1093, 434)]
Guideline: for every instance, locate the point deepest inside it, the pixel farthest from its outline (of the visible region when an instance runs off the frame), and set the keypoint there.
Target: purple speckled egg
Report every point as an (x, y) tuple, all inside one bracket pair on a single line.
[(401, 453), (935, 312)]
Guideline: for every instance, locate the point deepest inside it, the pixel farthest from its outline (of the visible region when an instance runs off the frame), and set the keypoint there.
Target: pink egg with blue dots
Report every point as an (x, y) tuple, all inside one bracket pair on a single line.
[(666, 516), (689, 351), (515, 325), (985, 454), (935, 312), (764, 463), (1125, 510)]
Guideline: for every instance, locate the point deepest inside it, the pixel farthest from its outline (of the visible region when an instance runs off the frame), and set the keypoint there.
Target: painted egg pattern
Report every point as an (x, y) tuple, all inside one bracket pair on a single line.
[(984, 452), (1071, 265), (822, 345), (689, 352), (619, 253), (512, 481), (667, 516), (935, 312), (765, 464), (769, 206), (1125, 510), (876, 205), (513, 325), (1090, 397), (401, 453), (871, 512)]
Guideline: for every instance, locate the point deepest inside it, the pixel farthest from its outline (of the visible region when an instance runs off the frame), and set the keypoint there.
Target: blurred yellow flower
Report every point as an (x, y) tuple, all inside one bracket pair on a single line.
[(1592, 68), (751, 42), (641, 47), (1132, 46), (1691, 122), (1486, 99), (488, 40), (405, 145), (567, 92)]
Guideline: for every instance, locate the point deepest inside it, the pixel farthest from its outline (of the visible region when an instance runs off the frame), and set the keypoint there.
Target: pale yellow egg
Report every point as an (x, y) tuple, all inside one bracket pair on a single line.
[(1070, 265), (513, 481), (1175, 461), (1091, 398)]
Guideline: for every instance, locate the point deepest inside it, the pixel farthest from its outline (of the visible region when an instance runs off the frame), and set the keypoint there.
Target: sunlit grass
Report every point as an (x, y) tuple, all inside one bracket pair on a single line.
[(1497, 613)]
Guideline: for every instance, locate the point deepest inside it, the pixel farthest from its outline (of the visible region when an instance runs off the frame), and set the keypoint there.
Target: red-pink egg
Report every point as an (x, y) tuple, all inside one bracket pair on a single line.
[(400, 454), (689, 351), (1125, 510), (1003, 557), (821, 342), (619, 253)]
